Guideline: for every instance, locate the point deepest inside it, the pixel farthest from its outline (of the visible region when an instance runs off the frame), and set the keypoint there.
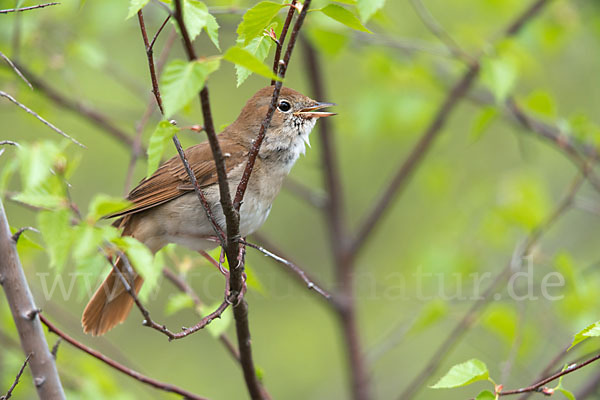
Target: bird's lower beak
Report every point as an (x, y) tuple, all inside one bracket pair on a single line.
[(313, 111)]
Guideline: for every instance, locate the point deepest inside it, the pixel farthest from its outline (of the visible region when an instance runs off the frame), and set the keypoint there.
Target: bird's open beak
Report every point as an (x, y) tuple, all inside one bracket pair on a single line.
[(313, 111)]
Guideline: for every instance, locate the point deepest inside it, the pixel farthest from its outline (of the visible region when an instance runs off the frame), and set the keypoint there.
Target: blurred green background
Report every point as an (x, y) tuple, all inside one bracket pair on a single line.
[(482, 189)]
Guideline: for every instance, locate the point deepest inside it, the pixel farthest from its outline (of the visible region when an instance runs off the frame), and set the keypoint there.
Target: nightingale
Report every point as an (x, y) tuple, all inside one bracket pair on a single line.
[(165, 208)]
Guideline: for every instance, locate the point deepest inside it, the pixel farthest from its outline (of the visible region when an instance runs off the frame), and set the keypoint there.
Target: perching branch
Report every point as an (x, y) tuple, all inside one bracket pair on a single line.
[(17, 71), (25, 315), (167, 387), (16, 381), (48, 124)]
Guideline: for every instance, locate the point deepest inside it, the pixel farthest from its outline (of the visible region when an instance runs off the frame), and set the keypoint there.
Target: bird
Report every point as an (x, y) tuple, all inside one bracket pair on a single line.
[(165, 209)]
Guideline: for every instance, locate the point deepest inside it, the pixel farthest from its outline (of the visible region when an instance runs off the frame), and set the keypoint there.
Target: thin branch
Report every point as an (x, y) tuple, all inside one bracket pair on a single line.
[(281, 40), (158, 32), (539, 386), (148, 321), (167, 387), (149, 54), (11, 10), (16, 381), (439, 31), (183, 286), (48, 124), (17, 71), (473, 313), (295, 269), (95, 117), (25, 316), (312, 197), (17, 235)]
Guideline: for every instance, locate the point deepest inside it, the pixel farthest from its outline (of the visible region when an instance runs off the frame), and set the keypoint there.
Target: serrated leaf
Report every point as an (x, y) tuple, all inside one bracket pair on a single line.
[(366, 8), (195, 16), (103, 204), (463, 374), (212, 29), (57, 232), (158, 141), (218, 326), (344, 16), (256, 19), (592, 330), (243, 58), (178, 302), (181, 81), (485, 395), (134, 7), (259, 47)]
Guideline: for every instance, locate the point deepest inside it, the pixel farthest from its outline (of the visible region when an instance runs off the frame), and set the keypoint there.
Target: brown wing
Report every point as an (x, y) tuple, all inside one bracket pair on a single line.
[(171, 179)]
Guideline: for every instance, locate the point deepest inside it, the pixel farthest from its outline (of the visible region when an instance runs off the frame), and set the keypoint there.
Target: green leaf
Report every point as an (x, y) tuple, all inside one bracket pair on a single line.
[(195, 16), (366, 8), (499, 74), (344, 16), (25, 242), (218, 326), (541, 102), (86, 240), (158, 141), (485, 395), (212, 29), (36, 161), (134, 7), (245, 59), (252, 280), (178, 302), (102, 205), (327, 41), (566, 393), (463, 374), (258, 47), (430, 314), (181, 81), (256, 19), (57, 232), (592, 330), (39, 198)]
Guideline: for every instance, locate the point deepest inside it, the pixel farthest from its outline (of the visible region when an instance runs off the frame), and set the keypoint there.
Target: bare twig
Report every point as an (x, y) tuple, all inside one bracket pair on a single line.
[(17, 234), (11, 10), (539, 386), (167, 387), (281, 40), (298, 272), (97, 118), (16, 381), (48, 124), (25, 316), (149, 54), (17, 71)]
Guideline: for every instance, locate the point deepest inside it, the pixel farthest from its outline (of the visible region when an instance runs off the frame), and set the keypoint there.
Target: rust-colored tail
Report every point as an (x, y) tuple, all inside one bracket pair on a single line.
[(111, 303)]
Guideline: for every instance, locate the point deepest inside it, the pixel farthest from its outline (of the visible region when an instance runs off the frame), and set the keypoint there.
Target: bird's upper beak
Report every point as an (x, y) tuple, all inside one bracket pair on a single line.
[(313, 111)]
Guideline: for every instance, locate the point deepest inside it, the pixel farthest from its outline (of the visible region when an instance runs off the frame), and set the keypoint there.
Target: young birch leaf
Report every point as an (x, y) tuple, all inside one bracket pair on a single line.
[(102, 205), (259, 47), (485, 395), (134, 7), (366, 8), (589, 331), (181, 82), (243, 58), (463, 374), (256, 20), (196, 16), (158, 141), (141, 260), (56, 230), (212, 29), (344, 16)]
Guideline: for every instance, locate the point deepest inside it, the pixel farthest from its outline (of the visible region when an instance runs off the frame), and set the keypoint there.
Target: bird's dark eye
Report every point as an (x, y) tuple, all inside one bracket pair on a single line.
[(284, 106)]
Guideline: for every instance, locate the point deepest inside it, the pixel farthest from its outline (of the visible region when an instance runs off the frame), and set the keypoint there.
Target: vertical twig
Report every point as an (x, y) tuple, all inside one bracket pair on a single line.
[(16, 381), (281, 40)]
